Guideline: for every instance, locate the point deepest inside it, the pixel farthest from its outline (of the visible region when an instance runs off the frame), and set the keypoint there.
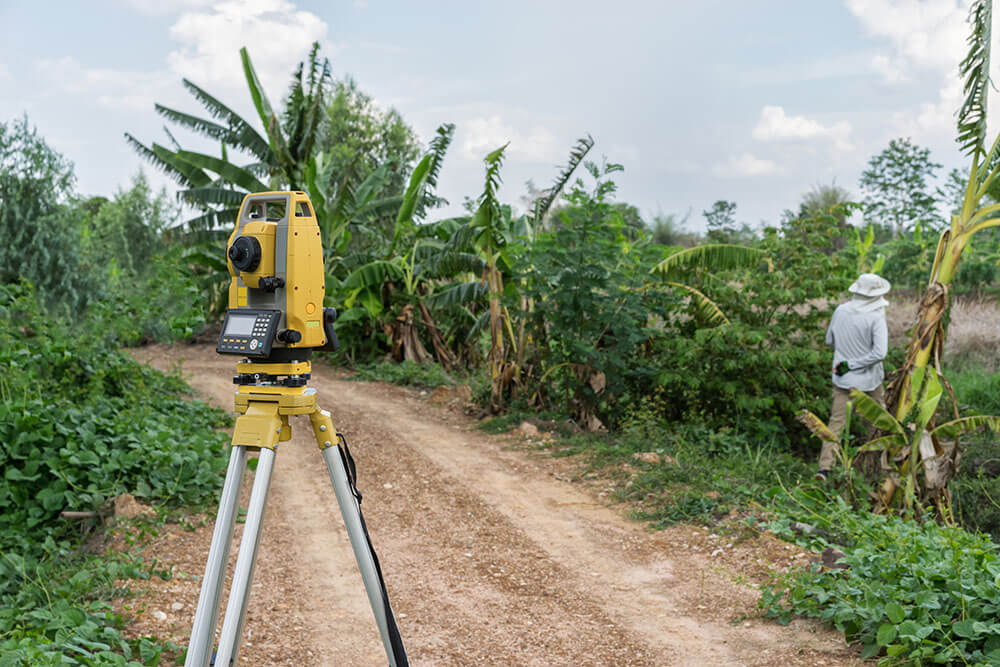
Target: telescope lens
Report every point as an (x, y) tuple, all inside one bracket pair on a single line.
[(245, 253)]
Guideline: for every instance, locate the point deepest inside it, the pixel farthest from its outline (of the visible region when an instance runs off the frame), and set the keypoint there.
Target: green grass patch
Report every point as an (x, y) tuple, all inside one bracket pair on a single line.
[(407, 374), (693, 473)]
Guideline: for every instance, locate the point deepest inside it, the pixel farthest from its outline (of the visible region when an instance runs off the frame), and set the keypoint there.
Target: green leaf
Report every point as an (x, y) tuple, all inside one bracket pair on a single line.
[(895, 612), (964, 628), (869, 408), (711, 257), (227, 170), (957, 427), (886, 633)]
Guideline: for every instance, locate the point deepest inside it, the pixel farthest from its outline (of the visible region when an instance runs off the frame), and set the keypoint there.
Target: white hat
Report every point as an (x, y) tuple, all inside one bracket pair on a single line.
[(870, 284)]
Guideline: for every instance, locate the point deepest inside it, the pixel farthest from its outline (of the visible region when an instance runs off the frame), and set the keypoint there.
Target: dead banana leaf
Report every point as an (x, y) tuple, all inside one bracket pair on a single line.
[(816, 425)]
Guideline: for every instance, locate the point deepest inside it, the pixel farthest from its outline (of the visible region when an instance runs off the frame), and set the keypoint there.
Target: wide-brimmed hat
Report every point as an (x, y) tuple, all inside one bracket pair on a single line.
[(870, 284)]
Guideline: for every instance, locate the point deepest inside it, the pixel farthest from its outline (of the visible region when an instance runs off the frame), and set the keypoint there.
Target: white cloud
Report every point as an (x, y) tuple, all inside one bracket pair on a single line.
[(111, 88), (892, 70), (923, 34), (484, 134), (163, 7), (746, 165), (276, 35), (776, 125)]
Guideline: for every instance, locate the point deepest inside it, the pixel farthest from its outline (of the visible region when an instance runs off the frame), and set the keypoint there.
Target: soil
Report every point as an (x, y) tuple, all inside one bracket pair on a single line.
[(493, 553)]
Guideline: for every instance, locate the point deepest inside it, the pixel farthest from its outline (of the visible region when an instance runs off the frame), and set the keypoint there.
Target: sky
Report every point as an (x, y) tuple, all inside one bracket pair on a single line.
[(751, 101)]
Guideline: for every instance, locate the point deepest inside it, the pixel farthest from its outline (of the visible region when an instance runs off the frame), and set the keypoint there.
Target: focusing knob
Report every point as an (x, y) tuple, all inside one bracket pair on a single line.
[(270, 283), (244, 253), (289, 336)]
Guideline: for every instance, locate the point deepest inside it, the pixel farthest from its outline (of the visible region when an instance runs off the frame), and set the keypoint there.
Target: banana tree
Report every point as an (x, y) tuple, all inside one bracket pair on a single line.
[(915, 454), (925, 348), (677, 268)]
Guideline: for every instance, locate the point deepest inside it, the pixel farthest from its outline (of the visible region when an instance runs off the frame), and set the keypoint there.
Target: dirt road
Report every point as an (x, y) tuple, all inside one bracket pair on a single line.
[(491, 555)]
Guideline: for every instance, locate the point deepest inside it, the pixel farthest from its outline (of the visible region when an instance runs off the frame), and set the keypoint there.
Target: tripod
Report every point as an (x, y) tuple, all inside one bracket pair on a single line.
[(268, 394)]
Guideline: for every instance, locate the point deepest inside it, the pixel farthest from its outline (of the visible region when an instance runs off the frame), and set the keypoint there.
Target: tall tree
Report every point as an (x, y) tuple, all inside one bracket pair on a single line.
[(896, 187), (40, 228)]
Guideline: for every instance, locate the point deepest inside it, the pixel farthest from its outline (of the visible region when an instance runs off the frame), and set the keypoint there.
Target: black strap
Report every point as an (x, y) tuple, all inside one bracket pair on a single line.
[(395, 640)]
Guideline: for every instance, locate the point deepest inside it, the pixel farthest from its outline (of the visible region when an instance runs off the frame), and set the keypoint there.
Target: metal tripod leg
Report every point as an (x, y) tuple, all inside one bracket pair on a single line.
[(350, 510), (236, 606), (203, 630)]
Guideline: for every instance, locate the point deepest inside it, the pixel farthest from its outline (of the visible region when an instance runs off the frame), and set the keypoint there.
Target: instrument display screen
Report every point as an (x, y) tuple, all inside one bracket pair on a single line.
[(239, 325)]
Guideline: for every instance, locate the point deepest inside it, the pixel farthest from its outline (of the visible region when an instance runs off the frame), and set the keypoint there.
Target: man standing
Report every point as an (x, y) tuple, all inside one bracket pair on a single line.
[(860, 340)]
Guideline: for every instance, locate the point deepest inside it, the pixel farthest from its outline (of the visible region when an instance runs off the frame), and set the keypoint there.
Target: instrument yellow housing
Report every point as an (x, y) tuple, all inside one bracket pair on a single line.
[(291, 249)]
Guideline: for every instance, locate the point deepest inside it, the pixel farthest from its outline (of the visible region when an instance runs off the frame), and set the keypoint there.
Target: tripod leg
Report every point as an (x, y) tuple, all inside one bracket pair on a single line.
[(239, 592), (337, 462), (203, 629)]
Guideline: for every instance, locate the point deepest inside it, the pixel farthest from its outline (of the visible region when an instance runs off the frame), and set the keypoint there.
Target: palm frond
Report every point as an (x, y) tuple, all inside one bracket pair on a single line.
[(712, 256), (463, 293), (276, 139), (214, 219), (208, 196), (162, 160), (875, 414), (707, 310), (975, 70), (243, 134), (957, 427), (227, 170), (437, 149), (372, 275), (548, 197)]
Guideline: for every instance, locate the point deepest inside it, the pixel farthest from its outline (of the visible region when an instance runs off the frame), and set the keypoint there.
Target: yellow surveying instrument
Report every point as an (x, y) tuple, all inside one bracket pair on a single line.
[(275, 320)]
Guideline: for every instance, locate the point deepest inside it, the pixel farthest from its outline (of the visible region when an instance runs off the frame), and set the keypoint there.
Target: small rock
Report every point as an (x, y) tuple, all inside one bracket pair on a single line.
[(648, 457), (831, 559), (387, 486), (423, 392), (127, 507), (528, 430), (159, 615), (440, 396), (177, 606)]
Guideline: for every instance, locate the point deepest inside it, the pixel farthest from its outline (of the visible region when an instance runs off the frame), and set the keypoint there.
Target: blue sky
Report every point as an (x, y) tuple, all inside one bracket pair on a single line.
[(752, 101)]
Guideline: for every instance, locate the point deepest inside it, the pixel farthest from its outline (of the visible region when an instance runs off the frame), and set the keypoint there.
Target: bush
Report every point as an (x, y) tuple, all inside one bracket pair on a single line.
[(80, 423), (919, 593)]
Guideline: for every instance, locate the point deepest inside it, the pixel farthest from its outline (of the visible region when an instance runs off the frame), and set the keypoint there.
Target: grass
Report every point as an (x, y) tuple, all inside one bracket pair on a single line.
[(693, 473), (411, 374)]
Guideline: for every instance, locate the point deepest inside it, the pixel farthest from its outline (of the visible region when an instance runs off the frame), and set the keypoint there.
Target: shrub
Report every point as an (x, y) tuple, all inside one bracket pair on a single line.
[(80, 423), (919, 593)]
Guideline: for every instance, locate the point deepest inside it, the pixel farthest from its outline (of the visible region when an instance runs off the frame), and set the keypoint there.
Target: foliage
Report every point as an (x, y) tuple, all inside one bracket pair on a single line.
[(359, 136), (406, 373), (896, 187), (590, 307), (916, 593), (722, 226), (41, 233), (126, 232), (81, 423)]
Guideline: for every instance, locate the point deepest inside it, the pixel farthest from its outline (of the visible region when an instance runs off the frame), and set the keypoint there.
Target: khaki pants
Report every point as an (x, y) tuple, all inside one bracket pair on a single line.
[(838, 417)]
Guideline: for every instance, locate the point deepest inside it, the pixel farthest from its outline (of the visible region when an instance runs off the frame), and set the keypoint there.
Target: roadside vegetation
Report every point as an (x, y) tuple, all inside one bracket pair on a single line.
[(675, 363)]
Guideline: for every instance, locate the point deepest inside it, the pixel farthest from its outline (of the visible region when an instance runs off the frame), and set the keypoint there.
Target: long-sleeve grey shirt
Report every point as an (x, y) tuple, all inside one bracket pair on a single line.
[(860, 337)]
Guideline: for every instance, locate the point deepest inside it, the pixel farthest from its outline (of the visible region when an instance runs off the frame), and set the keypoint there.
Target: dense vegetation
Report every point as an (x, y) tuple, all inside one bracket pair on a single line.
[(81, 423), (624, 336)]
